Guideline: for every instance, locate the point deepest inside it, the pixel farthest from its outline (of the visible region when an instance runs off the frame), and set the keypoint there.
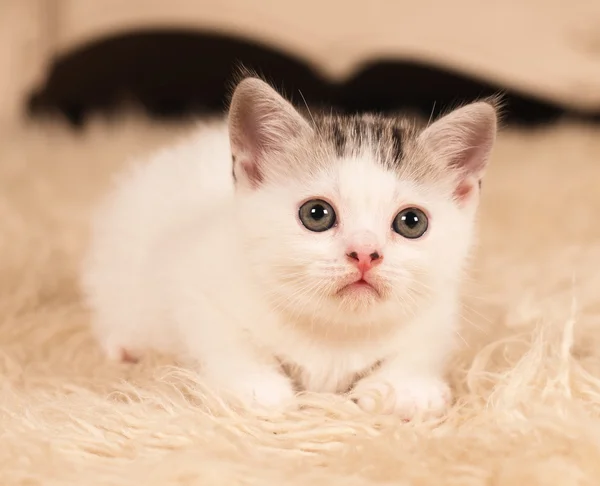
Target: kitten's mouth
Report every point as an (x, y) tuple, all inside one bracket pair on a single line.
[(359, 288)]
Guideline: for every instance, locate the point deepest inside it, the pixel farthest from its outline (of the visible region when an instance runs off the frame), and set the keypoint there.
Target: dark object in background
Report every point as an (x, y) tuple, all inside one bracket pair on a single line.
[(182, 73)]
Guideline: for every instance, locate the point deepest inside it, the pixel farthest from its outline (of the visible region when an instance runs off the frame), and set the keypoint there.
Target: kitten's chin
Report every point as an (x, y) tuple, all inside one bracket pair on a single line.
[(358, 296)]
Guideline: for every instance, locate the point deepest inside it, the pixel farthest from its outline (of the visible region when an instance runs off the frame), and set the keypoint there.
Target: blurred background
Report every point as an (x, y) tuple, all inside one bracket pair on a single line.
[(176, 58)]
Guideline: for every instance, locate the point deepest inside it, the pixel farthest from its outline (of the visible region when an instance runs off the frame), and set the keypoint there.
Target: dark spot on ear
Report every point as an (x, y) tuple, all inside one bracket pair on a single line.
[(479, 184), (233, 168)]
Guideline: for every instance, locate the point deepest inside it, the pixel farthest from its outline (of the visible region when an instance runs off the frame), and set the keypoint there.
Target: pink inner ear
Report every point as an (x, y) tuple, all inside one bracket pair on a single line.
[(261, 123), (252, 171), (465, 188), (464, 140)]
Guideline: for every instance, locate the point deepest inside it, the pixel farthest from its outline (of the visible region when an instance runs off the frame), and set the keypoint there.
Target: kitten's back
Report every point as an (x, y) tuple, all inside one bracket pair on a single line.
[(149, 200)]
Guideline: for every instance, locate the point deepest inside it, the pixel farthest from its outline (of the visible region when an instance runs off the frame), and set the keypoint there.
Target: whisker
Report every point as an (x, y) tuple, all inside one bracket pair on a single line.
[(462, 338)]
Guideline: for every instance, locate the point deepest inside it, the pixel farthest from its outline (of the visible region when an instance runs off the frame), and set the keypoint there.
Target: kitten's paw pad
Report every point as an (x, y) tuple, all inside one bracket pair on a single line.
[(407, 398), (117, 349), (128, 357), (121, 355)]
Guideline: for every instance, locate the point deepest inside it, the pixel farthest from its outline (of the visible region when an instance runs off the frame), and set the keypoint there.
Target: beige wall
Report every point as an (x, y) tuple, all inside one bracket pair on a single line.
[(538, 46), (25, 47)]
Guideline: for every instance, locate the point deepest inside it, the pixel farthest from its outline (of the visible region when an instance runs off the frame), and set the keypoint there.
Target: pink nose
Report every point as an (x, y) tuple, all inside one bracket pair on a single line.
[(365, 258)]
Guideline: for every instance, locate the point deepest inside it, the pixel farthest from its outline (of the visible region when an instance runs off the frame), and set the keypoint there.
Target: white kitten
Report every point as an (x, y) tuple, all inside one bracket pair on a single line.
[(329, 262)]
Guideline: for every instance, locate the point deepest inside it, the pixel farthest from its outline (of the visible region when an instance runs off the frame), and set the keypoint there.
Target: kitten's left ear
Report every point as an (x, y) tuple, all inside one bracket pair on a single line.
[(463, 141), (262, 124)]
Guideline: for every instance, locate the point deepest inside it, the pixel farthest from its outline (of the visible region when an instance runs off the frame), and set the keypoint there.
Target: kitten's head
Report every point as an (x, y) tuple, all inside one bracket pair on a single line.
[(351, 220)]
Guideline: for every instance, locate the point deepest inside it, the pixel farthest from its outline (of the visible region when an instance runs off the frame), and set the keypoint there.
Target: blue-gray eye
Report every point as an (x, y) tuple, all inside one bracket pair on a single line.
[(317, 215), (410, 223)]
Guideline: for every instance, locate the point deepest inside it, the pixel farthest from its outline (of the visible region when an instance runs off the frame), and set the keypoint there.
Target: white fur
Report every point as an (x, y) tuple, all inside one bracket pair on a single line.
[(180, 262)]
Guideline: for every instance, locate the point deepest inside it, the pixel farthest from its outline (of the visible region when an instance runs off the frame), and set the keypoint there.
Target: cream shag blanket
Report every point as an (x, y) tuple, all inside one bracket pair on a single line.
[(527, 379)]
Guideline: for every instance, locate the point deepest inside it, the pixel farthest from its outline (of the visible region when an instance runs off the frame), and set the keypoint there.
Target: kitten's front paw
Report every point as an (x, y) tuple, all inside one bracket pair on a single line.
[(407, 397), (266, 391)]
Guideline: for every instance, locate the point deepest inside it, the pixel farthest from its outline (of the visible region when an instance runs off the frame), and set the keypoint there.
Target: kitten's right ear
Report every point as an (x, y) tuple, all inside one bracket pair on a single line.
[(462, 141), (261, 124)]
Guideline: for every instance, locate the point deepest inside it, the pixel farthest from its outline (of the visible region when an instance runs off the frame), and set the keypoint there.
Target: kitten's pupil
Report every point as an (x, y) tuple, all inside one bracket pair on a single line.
[(318, 212), (410, 219)]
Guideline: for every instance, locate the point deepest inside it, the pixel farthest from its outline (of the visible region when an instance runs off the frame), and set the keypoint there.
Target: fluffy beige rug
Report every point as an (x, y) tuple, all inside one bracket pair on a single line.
[(527, 380)]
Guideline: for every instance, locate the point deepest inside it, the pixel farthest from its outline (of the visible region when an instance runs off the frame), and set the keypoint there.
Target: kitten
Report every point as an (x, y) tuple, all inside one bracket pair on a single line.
[(329, 261)]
